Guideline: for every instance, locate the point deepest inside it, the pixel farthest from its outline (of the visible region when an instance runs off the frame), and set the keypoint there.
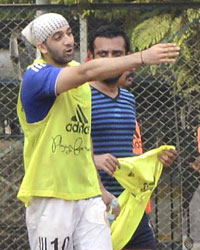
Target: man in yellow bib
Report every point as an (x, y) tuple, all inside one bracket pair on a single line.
[(60, 188)]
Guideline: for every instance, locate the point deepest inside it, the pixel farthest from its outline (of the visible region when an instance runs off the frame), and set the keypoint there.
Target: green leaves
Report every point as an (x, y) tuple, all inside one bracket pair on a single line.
[(70, 2), (181, 27), (151, 31), (17, 1)]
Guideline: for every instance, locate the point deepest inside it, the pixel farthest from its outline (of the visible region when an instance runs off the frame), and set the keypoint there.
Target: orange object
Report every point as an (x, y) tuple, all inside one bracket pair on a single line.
[(138, 149), (137, 140), (148, 208)]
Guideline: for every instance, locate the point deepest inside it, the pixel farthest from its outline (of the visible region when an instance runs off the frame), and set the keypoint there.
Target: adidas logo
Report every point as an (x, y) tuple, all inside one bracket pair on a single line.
[(131, 174), (80, 121)]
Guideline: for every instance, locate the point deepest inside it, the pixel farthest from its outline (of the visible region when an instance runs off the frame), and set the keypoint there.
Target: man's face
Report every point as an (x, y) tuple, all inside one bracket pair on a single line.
[(60, 46), (109, 47)]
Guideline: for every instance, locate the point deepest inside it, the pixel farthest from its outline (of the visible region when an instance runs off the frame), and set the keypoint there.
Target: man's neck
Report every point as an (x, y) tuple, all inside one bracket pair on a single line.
[(108, 89)]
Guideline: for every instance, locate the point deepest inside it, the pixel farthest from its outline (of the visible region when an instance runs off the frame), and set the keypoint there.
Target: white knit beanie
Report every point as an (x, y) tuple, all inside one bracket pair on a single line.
[(42, 27)]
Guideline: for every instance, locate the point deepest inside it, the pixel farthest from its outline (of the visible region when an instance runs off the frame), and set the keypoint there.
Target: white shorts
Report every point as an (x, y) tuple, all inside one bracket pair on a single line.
[(55, 224)]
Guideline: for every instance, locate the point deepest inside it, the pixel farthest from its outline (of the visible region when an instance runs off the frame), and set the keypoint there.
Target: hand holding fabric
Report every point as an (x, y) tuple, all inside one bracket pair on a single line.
[(107, 163), (167, 157)]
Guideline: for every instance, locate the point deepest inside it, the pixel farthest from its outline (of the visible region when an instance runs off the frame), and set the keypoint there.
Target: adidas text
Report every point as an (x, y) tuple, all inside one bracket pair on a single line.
[(78, 128)]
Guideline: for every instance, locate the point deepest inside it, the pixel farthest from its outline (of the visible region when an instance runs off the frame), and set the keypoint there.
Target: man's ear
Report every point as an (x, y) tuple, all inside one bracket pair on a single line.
[(42, 48)]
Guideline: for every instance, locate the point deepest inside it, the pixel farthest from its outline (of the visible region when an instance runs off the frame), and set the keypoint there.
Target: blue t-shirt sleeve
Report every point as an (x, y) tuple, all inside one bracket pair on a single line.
[(38, 91)]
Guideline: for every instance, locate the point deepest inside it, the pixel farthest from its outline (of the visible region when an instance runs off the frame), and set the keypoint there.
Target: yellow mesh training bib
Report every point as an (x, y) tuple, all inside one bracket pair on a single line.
[(57, 150), (139, 176)]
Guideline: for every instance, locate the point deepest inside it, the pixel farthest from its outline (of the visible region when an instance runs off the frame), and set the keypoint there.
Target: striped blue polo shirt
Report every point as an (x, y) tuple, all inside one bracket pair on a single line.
[(113, 126)]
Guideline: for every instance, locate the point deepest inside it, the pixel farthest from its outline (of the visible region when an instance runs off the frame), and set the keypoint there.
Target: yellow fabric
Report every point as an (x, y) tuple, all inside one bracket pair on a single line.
[(139, 176), (57, 150)]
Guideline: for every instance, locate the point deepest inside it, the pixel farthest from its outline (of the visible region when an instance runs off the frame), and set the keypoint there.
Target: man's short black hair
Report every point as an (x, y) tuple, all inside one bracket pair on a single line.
[(108, 31)]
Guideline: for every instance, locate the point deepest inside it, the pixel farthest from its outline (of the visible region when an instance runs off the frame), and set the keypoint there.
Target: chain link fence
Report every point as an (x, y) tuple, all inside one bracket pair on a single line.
[(167, 105)]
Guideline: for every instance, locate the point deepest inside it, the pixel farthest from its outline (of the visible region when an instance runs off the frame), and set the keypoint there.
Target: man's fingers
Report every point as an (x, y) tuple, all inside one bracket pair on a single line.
[(169, 46), (161, 53), (168, 57), (118, 165), (171, 49), (108, 171), (114, 161), (170, 153), (165, 160), (167, 157), (110, 166), (164, 45), (168, 52)]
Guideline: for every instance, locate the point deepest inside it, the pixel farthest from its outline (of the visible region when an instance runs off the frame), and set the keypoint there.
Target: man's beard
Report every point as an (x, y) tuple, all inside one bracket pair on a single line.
[(58, 59), (112, 80)]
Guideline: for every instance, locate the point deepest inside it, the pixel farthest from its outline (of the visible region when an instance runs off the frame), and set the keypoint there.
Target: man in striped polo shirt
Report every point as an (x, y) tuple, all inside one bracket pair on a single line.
[(113, 124)]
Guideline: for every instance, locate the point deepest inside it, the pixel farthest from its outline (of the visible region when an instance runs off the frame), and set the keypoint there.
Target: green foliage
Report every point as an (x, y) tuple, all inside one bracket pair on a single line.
[(175, 29), (146, 28), (150, 31), (183, 75), (70, 2), (103, 14), (193, 14), (166, 1), (17, 1), (182, 28)]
